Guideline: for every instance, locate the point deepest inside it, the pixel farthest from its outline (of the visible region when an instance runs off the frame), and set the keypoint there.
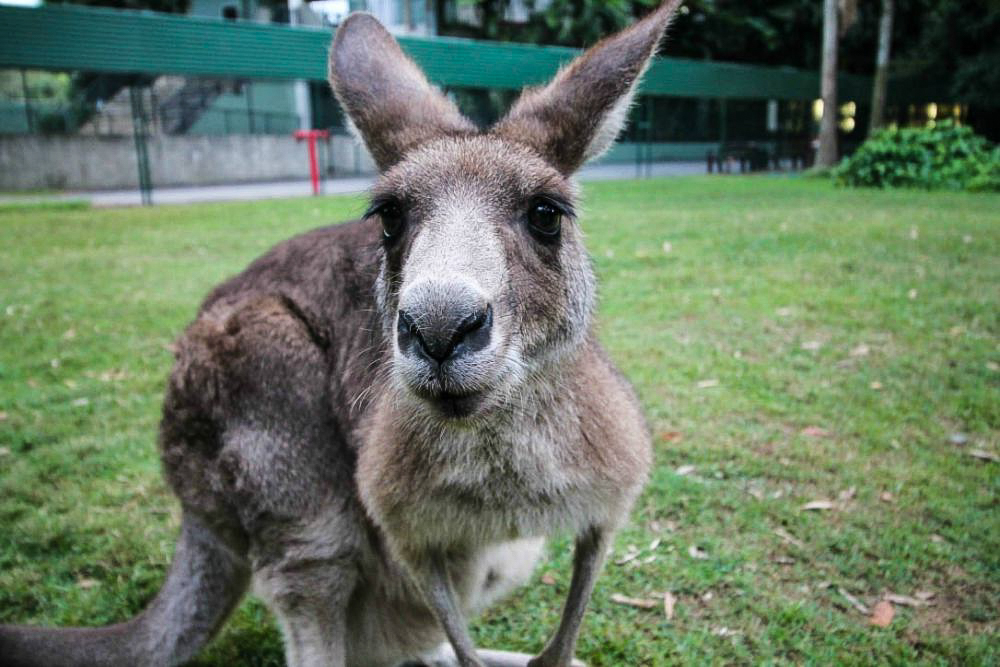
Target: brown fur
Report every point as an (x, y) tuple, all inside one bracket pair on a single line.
[(377, 496)]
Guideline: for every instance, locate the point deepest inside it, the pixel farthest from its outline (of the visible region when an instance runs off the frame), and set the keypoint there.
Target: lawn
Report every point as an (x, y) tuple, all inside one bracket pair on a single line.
[(795, 346)]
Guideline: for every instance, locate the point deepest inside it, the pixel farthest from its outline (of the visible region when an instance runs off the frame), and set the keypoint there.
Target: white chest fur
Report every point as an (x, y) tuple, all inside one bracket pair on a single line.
[(467, 488)]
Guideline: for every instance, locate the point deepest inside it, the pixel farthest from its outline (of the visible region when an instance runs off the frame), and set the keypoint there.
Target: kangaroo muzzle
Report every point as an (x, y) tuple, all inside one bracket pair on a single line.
[(447, 344), (443, 322)]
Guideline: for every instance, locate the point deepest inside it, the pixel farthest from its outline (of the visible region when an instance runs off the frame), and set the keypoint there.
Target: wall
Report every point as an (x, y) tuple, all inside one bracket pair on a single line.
[(94, 163), (30, 162)]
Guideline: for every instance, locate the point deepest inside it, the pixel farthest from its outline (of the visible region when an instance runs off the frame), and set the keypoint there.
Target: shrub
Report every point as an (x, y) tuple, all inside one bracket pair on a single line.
[(945, 157)]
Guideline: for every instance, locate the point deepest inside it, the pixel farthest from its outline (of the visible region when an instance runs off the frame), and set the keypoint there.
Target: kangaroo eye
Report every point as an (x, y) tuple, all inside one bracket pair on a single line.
[(393, 220), (545, 219)]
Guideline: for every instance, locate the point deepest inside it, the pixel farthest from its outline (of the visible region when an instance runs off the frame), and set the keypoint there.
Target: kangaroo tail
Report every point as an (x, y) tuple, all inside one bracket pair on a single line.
[(205, 582)]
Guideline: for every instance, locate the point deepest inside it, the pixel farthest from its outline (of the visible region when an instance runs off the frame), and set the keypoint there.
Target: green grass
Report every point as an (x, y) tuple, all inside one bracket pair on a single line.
[(870, 315)]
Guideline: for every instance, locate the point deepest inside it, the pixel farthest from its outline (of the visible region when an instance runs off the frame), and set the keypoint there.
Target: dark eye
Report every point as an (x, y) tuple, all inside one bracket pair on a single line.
[(393, 220), (545, 219)]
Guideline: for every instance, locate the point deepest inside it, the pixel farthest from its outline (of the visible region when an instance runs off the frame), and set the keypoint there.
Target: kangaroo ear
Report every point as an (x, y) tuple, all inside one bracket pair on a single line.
[(385, 94), (579, 114)]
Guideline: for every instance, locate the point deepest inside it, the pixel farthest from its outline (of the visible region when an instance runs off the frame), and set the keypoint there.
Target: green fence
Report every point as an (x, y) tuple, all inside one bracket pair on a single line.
[(65, 37)]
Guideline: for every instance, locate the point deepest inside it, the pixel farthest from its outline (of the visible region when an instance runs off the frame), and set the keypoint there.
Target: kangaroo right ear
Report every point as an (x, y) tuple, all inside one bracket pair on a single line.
[(385, 94), (580, 113)]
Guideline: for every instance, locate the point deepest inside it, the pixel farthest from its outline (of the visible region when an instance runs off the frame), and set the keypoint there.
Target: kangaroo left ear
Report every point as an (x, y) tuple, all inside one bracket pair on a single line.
[(386, 96), (580, 113)]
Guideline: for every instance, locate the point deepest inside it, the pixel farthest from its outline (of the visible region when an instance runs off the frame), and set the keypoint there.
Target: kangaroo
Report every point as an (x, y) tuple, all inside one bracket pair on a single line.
[(377, 423)]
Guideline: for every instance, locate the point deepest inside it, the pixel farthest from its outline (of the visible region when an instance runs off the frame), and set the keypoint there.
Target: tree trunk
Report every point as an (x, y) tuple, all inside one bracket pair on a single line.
[(827, 155), (408, 15), (881, 85)]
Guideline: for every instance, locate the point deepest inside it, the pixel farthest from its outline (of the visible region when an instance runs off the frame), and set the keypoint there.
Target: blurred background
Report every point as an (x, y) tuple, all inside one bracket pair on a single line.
[(125, 94)]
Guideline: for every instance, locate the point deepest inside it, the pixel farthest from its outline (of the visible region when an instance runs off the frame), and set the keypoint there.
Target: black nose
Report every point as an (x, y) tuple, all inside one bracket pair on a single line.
[(444, 334)]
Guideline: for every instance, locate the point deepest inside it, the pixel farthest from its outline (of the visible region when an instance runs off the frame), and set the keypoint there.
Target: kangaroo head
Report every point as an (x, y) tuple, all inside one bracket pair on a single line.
[(484, 277)]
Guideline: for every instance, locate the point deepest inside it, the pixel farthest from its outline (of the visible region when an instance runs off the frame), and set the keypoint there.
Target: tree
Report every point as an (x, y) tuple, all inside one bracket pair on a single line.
[(957, 44), (575, 23), (881, 84), (946, 45), (827, 155)]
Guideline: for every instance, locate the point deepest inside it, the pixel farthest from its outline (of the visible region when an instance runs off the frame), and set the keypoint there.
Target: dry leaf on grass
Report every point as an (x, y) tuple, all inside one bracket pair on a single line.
[(814, 432), (548, 579), (784, 560), (87, 583), (906, 600), (882, 614), (861, 350), (983, 455), (3, 416), (4, 451), (630, 554), (641, 603), (788, 537), (669, 603), (847, 494), (671, 436), (707, 384), (697, 553), (685, 470), (817, 505), (958, 439), (112, 375), (80, 402), (812, 345), (886, 497), (856, 603)]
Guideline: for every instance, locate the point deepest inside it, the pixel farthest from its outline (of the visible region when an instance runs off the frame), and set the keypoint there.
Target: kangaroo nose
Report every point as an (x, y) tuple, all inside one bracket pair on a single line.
[(443, 334)]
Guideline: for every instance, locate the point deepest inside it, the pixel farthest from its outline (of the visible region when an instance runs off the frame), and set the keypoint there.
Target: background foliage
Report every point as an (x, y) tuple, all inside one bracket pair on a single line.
[(949, 41), (946, 156)]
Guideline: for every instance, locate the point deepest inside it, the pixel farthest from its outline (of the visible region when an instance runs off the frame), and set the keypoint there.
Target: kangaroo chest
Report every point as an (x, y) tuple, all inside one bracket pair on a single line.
[(478, 487)]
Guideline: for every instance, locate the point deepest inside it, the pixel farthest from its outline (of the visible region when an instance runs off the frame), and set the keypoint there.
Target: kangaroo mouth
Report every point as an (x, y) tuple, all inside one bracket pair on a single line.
[(453, 404), (457, 388)]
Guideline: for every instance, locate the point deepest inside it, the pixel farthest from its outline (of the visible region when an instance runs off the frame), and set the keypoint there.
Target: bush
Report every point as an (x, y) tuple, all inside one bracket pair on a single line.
[(945, 157)]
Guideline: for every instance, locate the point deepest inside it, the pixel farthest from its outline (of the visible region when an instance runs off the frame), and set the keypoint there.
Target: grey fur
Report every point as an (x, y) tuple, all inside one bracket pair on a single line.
[(375, 497)]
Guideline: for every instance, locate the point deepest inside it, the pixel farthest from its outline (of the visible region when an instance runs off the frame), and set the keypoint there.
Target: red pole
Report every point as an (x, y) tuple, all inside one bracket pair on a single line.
[(313, 166), (311, 136)]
